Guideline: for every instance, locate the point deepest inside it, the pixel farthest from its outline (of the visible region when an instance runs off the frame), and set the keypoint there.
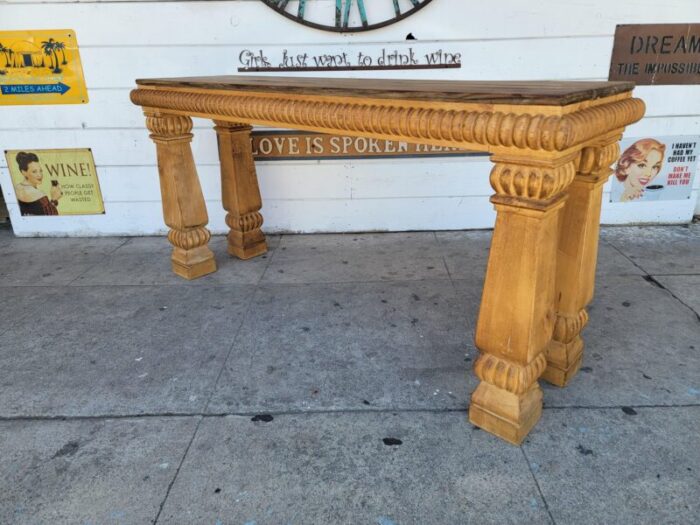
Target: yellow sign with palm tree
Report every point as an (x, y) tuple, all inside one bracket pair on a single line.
[(41, 67)]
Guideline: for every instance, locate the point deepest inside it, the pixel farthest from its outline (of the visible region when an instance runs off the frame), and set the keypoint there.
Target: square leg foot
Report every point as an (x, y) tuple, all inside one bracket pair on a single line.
[(246, 246), (192, 264), (561, 376), (563, 361), (504, 414)]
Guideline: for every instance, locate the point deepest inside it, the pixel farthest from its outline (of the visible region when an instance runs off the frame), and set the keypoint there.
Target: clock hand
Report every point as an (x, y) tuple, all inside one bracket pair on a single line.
[(363, 13), (343, 10), (348, 3)]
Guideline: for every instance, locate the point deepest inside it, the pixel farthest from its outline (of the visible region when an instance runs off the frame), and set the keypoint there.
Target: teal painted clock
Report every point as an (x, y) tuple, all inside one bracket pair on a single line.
[(346, 15)]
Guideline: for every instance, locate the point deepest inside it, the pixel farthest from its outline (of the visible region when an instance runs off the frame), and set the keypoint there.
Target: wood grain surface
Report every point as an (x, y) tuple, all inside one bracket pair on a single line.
[(548, 93)]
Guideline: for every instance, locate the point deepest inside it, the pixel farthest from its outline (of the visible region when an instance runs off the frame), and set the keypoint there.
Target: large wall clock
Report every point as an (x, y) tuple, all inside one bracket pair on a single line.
[(346, 15)]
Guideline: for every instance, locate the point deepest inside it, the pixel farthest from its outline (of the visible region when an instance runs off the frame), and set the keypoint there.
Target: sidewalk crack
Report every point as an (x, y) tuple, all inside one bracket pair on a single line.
[(177, 471), (126, 241), (269, 261), (537, 484), (245, 315), (652, 280), (314, 412)]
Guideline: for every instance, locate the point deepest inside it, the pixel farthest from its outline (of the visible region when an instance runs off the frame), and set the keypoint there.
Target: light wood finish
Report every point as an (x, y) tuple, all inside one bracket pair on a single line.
[(517, 314), (497, 128), (577, 257), (551, 144), (184, 210), (239, 190)]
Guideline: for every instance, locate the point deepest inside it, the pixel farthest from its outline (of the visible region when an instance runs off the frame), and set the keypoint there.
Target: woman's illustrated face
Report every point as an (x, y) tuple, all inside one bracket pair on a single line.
[(640, 173), (34, 174)]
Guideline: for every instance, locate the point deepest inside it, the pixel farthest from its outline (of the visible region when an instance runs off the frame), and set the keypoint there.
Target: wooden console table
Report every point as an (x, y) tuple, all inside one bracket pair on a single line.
[(552, 144)]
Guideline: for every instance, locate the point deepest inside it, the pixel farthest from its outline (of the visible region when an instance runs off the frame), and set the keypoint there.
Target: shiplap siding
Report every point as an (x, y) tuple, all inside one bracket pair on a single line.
[(502, 40)]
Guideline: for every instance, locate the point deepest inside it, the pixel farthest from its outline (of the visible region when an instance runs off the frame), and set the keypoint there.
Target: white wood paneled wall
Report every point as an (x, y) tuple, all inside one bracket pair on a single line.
[(500, 40)]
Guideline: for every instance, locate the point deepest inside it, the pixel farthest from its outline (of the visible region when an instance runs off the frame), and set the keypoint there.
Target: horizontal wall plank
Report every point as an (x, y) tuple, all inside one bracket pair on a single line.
[(108, 108), (448, 177), (457, 213), (336, 179), (238, 21), (679, 125), (144, 218), (110, 147), (292, 181), (393, 214)]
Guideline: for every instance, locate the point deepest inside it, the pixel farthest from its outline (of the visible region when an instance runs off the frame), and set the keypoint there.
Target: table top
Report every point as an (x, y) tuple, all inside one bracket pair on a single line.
[(547, 93)]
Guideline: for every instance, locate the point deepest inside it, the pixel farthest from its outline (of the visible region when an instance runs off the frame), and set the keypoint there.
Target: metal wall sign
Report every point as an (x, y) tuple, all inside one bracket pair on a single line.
[(55, 181), (367, 57), (299, 145), (41, 67), (655, 168), (655, 54)]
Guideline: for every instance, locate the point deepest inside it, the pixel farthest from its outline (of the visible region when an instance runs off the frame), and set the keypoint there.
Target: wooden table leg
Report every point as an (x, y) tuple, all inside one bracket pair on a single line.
[(577, 256), (517, 315), (184, 209), (239, 190)]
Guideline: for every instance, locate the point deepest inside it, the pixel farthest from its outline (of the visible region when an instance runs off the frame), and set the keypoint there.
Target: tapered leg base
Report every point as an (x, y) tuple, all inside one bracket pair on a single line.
[(563, 362), (507, 415), (246, 246), (194, 263)]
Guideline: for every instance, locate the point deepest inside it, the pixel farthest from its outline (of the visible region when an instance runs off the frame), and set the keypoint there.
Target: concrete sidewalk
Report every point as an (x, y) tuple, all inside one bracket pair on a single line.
[(327, 382)]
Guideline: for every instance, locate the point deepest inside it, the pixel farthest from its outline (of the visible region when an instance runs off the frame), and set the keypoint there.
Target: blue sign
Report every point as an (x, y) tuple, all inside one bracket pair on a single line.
[(34, 89)]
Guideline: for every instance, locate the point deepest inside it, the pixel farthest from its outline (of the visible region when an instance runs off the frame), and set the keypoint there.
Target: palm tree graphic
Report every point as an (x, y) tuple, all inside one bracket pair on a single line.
[(50, 47), (60, 46), (8, 54)]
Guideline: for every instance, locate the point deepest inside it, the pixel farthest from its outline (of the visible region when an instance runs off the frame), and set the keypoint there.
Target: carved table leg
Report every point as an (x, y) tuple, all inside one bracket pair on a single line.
[(516, 318), (184, 210), (577, 255), (239, 191)]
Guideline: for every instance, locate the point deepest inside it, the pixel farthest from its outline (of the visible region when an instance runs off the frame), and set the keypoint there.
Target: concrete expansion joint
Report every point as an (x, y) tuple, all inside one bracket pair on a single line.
[(213, 415)]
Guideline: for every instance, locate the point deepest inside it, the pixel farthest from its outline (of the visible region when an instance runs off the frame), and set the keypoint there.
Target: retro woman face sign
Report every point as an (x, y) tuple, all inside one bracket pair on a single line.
[(659, 168), (638, 166)]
